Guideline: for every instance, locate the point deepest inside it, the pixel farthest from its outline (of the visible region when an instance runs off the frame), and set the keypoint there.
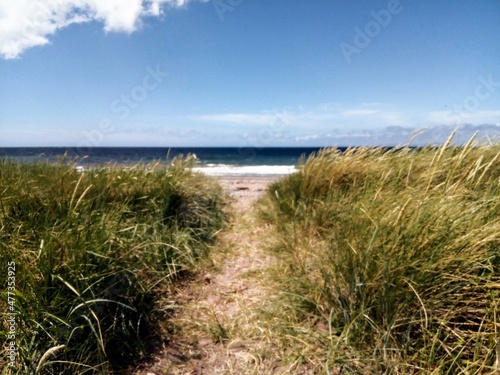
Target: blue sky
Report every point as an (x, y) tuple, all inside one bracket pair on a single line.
[(247, 72)]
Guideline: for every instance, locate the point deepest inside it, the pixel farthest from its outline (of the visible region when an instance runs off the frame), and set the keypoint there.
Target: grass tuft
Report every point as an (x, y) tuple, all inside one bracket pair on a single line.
[(397, 253), (95, 252)]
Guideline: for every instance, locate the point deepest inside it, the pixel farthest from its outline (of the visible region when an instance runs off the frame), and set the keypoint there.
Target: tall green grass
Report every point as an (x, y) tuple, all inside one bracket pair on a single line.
[(95, 253), (397, 253)]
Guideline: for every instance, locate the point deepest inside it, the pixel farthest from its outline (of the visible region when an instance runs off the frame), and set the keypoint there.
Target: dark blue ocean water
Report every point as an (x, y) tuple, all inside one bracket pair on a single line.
[(133, 155)]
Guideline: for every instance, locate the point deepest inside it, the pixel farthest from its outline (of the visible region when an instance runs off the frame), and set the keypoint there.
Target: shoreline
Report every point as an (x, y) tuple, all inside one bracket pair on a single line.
[(245, 170)]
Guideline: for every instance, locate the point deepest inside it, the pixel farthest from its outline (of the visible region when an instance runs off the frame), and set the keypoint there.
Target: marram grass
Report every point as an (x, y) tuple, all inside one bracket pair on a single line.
[(95, 252), (397, 253)]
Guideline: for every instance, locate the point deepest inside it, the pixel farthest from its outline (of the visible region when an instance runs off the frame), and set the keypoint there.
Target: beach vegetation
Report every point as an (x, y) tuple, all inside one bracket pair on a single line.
[(98, 253), (388, 261)]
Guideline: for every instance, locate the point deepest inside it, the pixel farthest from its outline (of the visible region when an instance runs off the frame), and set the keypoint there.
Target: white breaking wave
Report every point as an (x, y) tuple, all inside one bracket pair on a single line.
[(242, 170)]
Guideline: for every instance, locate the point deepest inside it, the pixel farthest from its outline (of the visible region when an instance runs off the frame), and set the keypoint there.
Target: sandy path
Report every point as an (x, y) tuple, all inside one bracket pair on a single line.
[(216, 328)]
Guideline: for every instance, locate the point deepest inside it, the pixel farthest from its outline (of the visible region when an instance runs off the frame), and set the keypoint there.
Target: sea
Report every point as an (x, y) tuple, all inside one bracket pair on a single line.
[(216, 161)]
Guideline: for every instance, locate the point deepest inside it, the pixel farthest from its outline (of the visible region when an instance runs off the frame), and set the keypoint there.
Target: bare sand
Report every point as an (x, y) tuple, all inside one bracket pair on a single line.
[(246, 189), (217, 329)]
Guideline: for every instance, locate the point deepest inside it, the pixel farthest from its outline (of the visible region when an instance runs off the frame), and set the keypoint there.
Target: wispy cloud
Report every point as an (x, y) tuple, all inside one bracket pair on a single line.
[(398, 135), (358, 112), (309, 137), (326, 114), (238, 118), (362, 116), (459, 118), (28, 23)]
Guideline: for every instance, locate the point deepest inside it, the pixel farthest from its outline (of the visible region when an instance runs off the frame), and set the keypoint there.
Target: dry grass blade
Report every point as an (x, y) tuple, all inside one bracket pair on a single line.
[(46, 356), (104, 256), (397, 252)]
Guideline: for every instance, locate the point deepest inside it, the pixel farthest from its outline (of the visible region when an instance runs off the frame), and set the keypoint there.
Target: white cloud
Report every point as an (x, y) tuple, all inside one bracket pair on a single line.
[(374, 104), (308, 137), (28, 23), (460, 118), (397, 135), (355, 119), (242, 118), (358, 112), (321, 116)]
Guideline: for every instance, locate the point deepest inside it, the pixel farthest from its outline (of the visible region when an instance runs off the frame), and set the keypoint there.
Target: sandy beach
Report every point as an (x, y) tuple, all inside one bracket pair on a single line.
[(247, 188), (232, 292)]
